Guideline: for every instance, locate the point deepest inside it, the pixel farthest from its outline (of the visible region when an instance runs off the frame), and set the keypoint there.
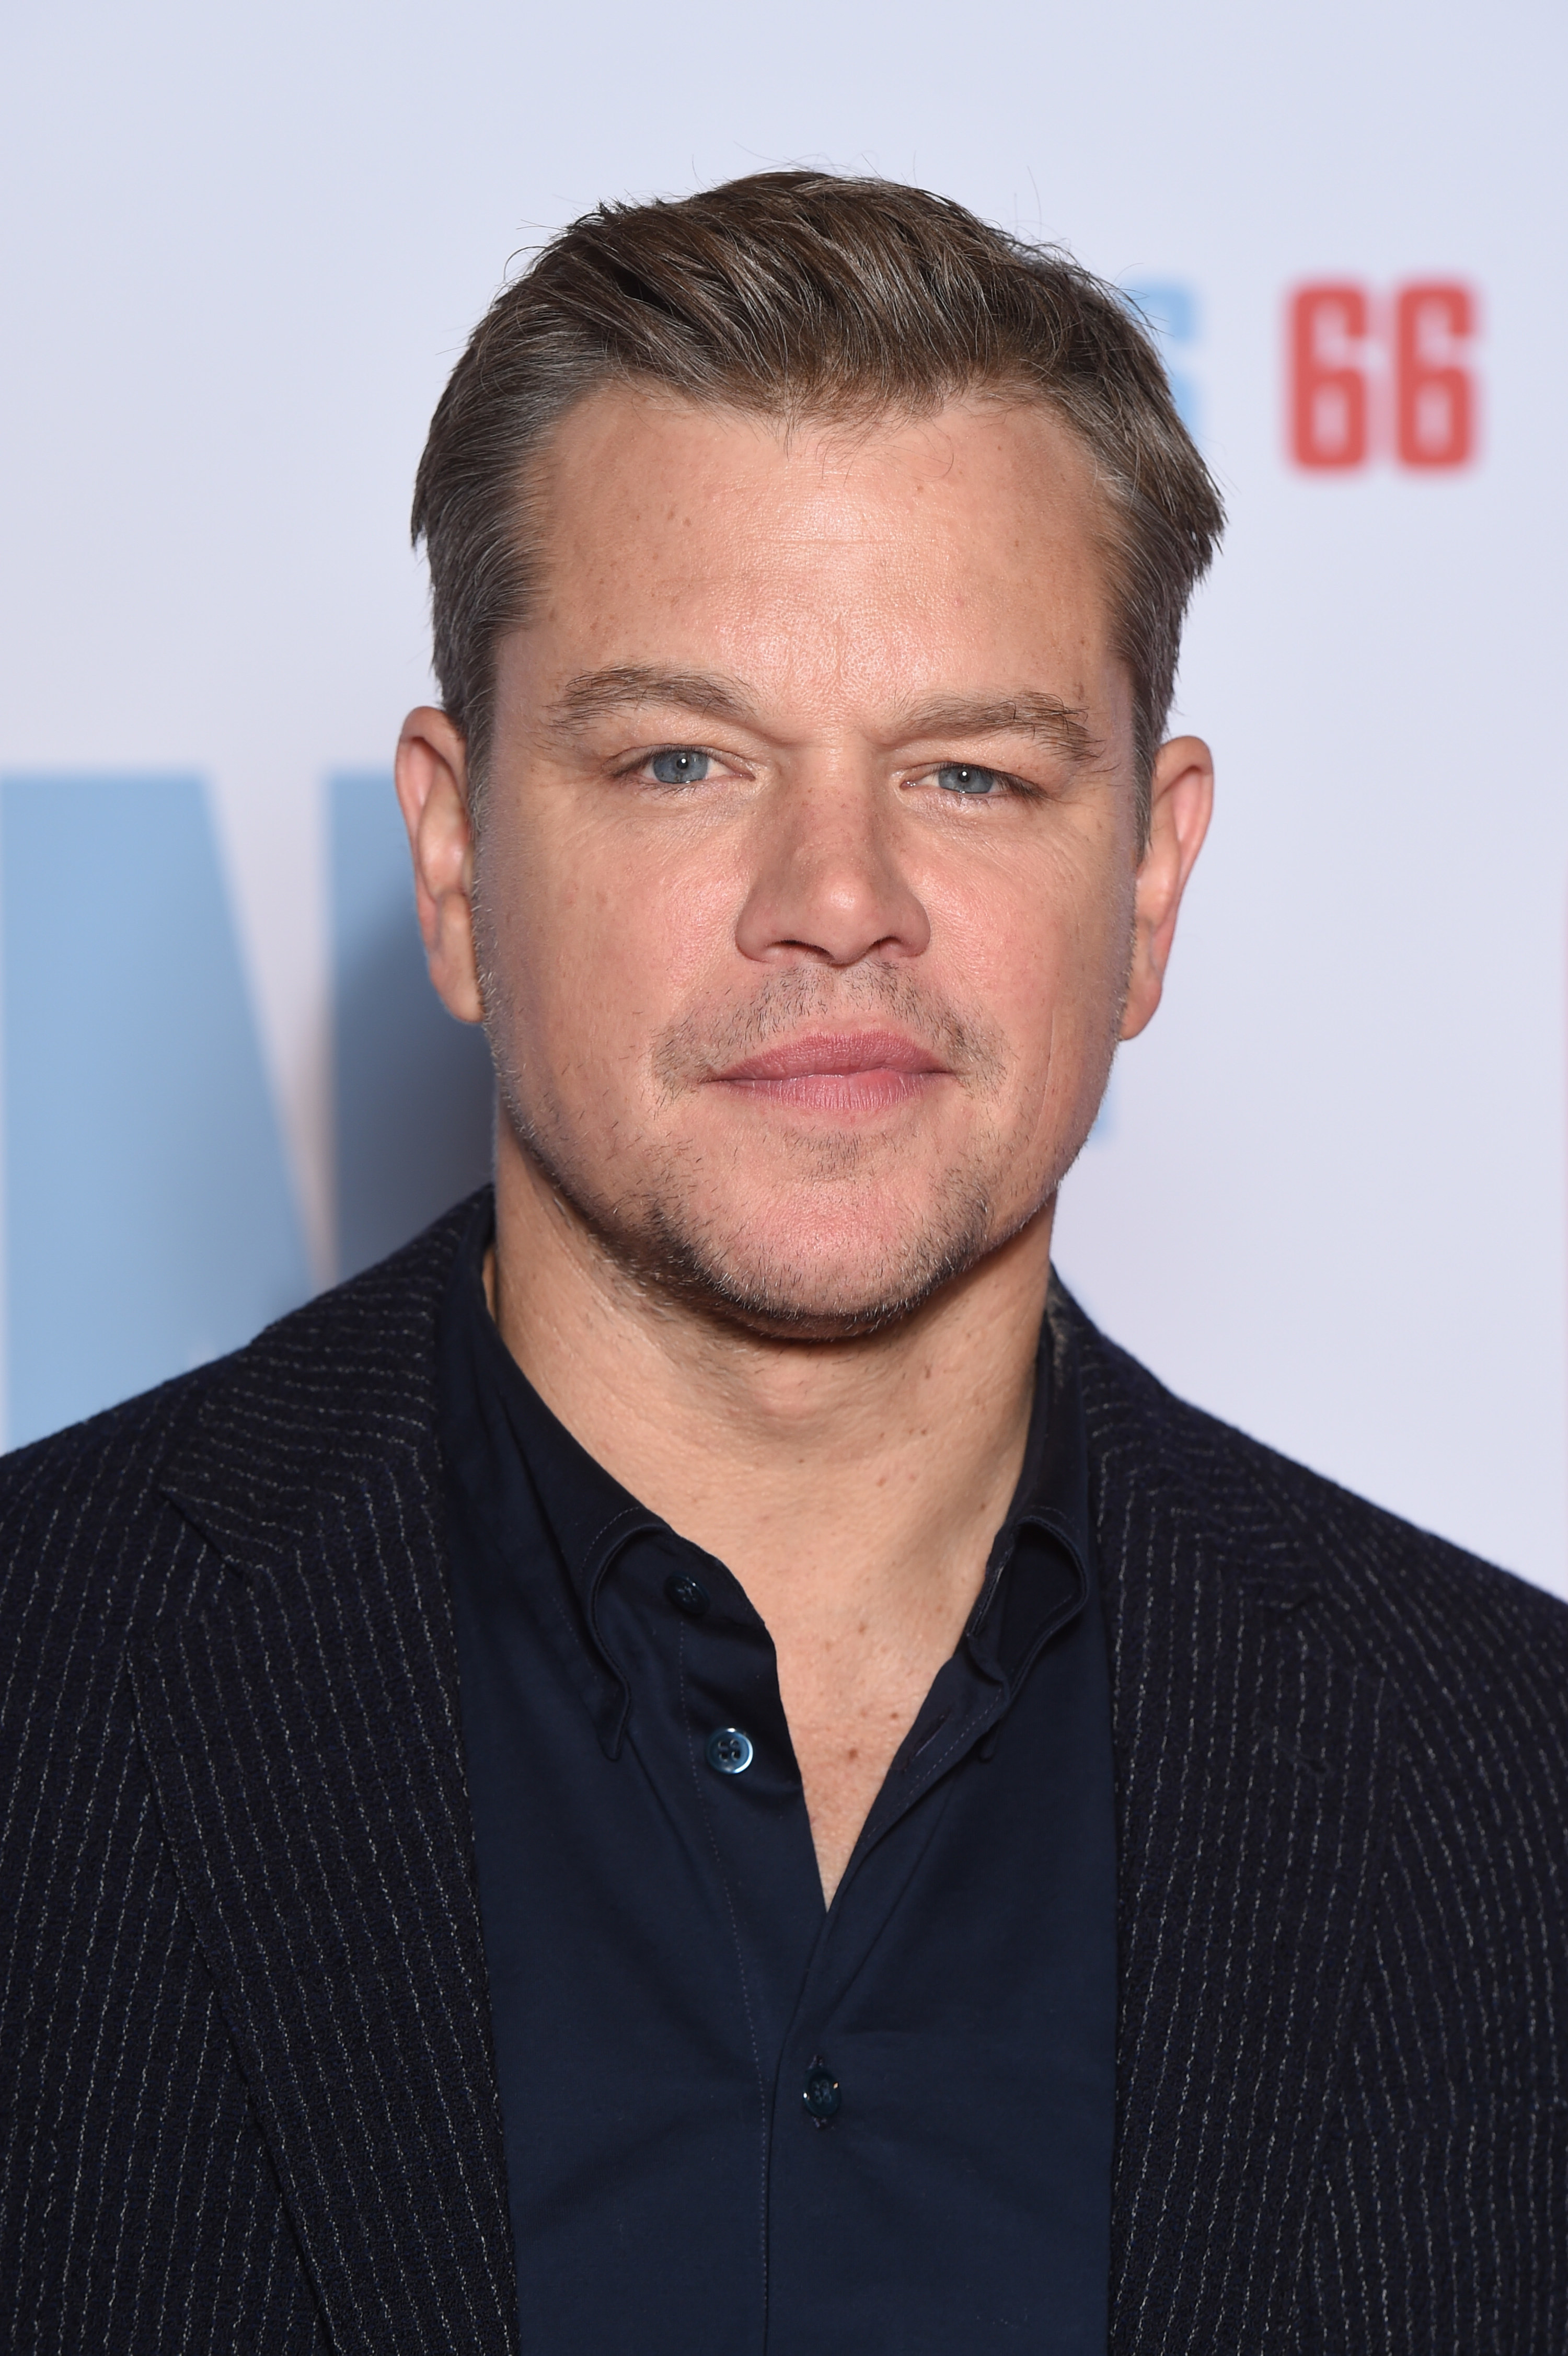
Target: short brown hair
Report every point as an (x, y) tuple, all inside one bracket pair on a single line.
[(804, 296)]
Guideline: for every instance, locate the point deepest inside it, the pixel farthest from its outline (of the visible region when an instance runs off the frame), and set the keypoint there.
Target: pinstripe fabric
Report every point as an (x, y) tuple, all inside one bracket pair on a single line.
[(234, 1717), (1342, 1766), (244, 2050), (137, 2206)]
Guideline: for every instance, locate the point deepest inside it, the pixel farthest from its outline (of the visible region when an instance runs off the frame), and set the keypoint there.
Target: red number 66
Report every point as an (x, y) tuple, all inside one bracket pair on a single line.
[(1335, 379)]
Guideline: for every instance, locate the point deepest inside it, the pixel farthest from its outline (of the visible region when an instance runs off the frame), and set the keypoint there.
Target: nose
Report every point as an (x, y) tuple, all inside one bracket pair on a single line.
[(827, 884)]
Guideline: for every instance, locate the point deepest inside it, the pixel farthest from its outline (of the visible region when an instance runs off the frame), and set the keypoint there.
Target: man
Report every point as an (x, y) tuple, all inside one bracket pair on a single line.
[(697, 1763)]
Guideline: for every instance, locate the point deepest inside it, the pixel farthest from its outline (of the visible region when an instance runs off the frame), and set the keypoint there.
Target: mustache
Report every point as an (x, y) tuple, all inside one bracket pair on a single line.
[(713, 1038)]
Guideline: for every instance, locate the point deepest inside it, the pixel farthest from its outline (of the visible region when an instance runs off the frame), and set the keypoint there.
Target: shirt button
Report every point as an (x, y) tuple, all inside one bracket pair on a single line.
[(687, 1594), (820, 2094), (729, 1750)]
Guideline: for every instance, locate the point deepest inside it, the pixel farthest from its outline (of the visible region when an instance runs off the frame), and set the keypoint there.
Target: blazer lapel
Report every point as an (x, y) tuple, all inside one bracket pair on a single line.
[(303, 1735), (1254, 1769)]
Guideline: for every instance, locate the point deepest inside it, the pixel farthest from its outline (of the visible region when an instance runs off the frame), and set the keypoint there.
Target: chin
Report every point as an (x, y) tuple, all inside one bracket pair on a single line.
[(812, 1284)]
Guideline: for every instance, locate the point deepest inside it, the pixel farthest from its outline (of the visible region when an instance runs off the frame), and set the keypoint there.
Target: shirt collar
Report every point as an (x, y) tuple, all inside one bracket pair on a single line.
[(1040, 1572)]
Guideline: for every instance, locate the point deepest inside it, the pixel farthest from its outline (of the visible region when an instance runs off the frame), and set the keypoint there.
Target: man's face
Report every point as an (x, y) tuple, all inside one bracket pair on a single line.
[(805, 885)]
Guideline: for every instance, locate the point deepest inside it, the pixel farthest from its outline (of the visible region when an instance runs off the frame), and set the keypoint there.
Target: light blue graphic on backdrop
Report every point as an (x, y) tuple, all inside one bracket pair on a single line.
[(412, 1091), (1171, 310), (150, 1219)]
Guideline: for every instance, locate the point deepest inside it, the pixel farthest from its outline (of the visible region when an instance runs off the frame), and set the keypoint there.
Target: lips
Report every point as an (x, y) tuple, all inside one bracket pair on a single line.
[(839, 1071)]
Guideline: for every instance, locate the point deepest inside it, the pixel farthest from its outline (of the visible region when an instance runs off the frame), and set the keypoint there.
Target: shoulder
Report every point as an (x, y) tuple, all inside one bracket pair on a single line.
[(1404, 1601), (91, 1525)]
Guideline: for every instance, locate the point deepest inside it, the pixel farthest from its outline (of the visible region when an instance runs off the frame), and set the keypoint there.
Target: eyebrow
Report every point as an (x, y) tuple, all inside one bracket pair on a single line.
[(597, 694), (1061, 725)]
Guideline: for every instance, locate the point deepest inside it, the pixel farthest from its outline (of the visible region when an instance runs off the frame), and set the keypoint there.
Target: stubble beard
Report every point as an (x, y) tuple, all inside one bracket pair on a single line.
[(726, 1266)]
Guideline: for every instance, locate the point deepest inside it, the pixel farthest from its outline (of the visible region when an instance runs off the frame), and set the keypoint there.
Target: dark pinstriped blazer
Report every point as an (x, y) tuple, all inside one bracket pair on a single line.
[(244, 2046)]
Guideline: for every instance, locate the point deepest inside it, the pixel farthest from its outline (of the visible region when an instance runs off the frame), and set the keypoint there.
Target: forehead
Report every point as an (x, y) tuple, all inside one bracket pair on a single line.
[(692, 534)]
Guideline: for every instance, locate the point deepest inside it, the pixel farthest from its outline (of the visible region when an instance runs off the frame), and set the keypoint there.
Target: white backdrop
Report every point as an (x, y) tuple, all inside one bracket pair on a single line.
[(242, 249)]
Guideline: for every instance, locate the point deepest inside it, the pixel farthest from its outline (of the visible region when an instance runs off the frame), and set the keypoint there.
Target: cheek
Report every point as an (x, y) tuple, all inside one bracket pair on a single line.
[(1042, 951), (601, 942)]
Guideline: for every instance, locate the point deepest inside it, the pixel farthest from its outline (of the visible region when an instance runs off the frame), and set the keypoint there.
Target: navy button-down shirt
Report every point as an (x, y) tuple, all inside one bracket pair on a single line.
[(737, 2121)]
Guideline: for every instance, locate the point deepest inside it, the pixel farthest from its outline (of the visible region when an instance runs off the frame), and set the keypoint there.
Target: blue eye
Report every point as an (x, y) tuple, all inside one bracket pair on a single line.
[(680, 766), (962, 778)]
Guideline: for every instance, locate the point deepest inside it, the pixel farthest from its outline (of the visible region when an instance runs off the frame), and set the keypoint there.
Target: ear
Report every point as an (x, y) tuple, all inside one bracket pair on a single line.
[(1181, 800), (432, 793)]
